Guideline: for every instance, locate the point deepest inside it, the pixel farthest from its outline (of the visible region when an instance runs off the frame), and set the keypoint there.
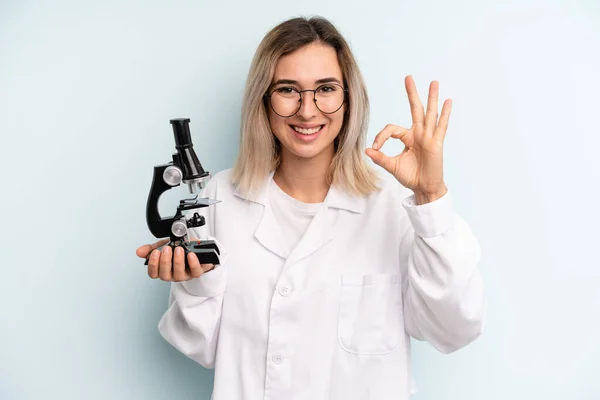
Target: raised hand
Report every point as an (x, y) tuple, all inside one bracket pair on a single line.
[(419, 166)]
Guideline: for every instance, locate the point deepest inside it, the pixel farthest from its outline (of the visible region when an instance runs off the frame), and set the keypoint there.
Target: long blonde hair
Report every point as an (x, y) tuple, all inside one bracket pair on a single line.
[(259, 152)]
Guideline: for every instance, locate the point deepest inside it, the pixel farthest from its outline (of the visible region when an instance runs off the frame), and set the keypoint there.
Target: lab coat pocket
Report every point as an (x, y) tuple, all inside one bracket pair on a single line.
[(370, 313)]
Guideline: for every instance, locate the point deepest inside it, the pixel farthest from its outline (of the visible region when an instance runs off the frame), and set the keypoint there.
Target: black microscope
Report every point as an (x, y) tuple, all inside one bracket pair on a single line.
[(185, 168)]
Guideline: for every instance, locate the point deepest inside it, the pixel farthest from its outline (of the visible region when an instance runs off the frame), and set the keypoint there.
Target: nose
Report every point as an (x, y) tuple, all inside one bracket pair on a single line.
[(308, 108)]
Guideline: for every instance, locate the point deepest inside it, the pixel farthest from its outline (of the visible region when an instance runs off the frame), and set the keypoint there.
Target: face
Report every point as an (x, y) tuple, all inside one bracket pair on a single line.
[(310, 132)]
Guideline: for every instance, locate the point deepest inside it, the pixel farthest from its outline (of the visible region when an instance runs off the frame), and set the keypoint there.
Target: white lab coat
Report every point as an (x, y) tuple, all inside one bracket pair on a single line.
[(332, 319)]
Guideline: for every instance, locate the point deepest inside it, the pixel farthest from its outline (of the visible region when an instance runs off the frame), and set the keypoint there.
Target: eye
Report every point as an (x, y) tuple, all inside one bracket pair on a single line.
[(285, 90), (327, 89)]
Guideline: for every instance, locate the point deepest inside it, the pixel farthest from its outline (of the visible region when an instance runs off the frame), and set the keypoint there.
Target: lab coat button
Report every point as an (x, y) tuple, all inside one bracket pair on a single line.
[(285, 290), (277, 358)]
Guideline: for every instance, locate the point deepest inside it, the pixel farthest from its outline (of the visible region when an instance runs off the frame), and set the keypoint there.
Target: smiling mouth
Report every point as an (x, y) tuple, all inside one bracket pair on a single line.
[(307, 131)]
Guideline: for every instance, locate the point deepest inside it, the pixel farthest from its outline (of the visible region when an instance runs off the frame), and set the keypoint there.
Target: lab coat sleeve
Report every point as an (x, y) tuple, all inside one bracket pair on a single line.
[(193, 317), (192, 321), (444, 299)]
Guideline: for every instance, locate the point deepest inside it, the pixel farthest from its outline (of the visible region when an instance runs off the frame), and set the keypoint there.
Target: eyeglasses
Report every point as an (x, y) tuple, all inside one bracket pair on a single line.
[(286, 100)]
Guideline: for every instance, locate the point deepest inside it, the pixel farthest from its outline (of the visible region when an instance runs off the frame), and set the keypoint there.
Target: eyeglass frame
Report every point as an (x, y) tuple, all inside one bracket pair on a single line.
[(269, 96)]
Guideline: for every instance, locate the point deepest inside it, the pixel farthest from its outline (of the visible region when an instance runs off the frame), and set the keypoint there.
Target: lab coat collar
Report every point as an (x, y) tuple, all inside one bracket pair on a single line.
[(336, 197), (320, 231)]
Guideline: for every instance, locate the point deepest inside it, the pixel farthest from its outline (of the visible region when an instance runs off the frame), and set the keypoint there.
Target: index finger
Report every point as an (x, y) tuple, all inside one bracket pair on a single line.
[(145, 250), (394, 131), (416, 108)]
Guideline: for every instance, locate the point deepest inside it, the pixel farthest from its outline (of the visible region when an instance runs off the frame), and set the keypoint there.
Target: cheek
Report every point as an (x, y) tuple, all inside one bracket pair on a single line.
[(274, 121), (338, 119)]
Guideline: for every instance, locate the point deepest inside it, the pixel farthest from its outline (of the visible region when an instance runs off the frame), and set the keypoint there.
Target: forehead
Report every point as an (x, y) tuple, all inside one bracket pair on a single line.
[(308, 64)]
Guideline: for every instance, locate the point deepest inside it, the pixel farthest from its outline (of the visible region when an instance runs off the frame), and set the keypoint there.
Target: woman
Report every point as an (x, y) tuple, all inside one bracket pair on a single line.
[(328, 270)]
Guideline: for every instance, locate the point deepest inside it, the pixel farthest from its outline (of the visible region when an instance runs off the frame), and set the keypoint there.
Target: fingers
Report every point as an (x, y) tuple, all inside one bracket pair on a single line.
[(179, 273), (416, 108), (442, 125), (432, 107), (145, 250), (430, 120), (169, 265), (153, 264), (196, 269), (395, 131), (381, 159), (165, 264)]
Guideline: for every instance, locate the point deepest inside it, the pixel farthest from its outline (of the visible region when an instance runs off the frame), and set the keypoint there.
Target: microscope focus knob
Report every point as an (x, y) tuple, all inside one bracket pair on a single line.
[(179, 227), (172, 175)]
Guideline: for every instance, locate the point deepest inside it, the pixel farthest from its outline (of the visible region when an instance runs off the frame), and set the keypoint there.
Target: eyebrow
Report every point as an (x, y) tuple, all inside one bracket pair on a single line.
[(293, 82)]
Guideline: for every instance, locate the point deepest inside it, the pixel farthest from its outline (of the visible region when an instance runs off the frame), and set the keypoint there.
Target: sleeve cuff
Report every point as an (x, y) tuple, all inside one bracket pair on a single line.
[(209, 284), (430, 219)]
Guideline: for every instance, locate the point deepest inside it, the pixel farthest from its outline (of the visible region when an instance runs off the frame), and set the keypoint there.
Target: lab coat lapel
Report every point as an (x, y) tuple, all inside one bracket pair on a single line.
[(320, 231), (324, 225), (268, 232)]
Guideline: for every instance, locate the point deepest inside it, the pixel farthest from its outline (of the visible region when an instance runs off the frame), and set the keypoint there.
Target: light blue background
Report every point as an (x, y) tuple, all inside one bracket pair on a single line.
[(86, 94)]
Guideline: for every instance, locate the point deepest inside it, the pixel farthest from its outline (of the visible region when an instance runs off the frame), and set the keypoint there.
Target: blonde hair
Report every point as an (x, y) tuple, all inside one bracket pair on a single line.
[(260, 153)]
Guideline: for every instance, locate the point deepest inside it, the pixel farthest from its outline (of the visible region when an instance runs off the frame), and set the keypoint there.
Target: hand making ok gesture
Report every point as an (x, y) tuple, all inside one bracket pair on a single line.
[(419, 166)]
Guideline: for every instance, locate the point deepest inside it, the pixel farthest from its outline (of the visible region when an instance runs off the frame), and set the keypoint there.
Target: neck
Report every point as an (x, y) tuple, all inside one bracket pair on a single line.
[(304, 179)]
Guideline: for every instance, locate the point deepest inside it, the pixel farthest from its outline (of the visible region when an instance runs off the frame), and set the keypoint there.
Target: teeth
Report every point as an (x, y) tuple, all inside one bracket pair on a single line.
[(307, 131)]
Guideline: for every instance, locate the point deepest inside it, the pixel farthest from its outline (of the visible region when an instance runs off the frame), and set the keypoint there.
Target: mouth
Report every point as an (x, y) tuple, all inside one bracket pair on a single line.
[(307, 133)]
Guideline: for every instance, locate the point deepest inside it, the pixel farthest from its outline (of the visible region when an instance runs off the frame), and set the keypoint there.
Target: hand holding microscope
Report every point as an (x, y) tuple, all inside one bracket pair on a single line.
[(185, 168)]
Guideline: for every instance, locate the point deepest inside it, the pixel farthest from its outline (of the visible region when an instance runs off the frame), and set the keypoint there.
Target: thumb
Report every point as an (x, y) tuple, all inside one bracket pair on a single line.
[(381, 159), (143, 251)]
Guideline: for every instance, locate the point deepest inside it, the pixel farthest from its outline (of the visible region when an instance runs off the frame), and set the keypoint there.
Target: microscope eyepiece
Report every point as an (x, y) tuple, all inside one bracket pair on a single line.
[(186, 158), (181, 130)]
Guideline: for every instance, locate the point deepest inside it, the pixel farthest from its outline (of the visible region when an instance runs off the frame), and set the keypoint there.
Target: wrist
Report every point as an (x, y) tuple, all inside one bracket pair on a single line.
[(428, 197)]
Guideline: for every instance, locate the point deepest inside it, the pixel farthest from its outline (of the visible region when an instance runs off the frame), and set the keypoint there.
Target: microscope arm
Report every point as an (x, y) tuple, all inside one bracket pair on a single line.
[(158, 226)]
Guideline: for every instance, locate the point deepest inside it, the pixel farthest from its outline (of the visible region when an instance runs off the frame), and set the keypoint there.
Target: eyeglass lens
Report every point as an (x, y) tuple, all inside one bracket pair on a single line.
[(286, 100)]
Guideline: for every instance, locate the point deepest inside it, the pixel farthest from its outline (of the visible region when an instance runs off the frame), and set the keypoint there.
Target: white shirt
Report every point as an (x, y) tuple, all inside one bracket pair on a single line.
[(293, 216), (332, 318)]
